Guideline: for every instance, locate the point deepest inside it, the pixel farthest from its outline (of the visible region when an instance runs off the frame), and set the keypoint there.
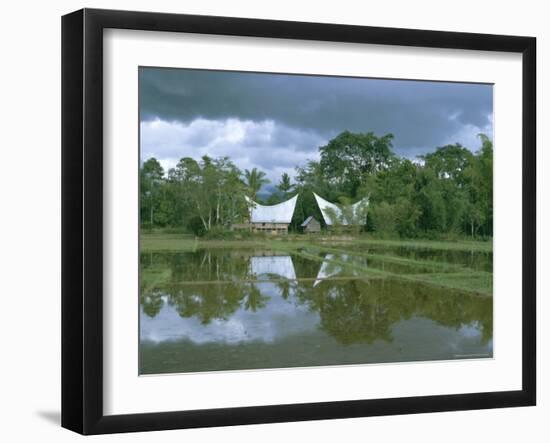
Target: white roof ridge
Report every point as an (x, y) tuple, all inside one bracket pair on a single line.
[(353, 204)]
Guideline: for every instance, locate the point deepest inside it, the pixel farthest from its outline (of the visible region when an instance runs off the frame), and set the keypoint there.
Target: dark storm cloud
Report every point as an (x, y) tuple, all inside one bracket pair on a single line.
[(421, 115)]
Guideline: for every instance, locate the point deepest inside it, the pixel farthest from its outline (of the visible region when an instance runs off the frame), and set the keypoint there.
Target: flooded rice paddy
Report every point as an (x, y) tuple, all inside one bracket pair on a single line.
[(215, 309)]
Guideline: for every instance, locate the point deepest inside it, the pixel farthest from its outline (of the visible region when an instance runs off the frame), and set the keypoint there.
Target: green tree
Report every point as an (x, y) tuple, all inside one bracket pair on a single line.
[(151, 177), (212, 191), (348, 159), (431, 201), (383, 219), (479, 190), (285, 186), (394, 208), (254, 181), (449, 162)]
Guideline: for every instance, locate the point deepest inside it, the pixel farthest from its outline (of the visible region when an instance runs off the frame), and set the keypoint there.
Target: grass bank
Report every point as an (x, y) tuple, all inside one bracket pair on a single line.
[(157, 241)]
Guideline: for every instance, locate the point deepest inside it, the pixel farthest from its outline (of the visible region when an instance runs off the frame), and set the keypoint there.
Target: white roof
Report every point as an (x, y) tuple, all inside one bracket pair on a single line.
[(330, 269), (280, 265), (326, 207), (327, 270), (279, 213)]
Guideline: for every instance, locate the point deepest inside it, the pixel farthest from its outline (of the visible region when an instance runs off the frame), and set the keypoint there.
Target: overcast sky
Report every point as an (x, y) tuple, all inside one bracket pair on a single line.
[(275, 122)]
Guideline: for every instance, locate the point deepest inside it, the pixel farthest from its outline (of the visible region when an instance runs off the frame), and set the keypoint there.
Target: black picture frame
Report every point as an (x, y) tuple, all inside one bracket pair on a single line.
[(82, 218)]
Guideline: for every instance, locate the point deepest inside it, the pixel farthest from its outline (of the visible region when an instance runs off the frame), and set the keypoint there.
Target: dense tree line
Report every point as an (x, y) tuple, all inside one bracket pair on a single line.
[(448, 191)]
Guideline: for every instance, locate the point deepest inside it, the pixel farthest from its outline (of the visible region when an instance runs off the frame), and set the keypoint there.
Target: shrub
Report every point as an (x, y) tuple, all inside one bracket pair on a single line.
[(383, 219), (195, 225), (219, 233)]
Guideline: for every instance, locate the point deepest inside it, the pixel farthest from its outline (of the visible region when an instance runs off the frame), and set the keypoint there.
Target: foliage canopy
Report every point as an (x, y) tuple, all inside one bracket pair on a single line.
[(447, 191)]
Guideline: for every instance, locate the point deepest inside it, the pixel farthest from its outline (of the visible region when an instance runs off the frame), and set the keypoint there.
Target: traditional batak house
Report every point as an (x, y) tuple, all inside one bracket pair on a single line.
[(273, 219), (332, 213)]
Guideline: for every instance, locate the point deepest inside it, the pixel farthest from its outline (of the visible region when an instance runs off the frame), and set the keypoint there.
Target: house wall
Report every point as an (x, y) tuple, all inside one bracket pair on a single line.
[(273, 228)]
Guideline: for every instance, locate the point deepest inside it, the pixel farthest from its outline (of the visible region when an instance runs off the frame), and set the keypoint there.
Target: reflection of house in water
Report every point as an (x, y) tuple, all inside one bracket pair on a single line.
[(273, 219), (327, 270), (331, 269), (283, 266), (280, 265)]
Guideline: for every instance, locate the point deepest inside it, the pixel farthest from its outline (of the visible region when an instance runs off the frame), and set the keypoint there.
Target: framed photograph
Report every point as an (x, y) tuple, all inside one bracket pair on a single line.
[(269, 221)]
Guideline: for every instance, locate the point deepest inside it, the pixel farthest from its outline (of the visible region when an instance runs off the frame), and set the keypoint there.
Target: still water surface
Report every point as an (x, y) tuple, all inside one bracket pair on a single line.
[(219, 309)]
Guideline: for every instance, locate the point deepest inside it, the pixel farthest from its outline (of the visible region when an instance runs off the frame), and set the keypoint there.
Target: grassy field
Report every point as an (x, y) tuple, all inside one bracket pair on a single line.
[(174, 242), (383, 263)]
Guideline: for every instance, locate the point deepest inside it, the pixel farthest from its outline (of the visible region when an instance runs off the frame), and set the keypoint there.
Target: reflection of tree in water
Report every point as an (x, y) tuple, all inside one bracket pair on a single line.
[(152, 303), (215, 301), (254, 299), (351, 311), (352, 318), (169, 274), (305, 267), (200, 265), (477, 260), (285, 287), (361, 311), (206, 302)]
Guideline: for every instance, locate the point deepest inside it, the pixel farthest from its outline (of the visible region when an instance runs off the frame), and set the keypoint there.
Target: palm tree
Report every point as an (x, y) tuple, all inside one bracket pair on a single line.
[(284, 185), (254, 181)]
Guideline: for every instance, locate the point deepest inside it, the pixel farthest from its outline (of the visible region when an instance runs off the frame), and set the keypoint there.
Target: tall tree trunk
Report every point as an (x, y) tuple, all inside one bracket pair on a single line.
[(218, 209), (151, 215), (204, 222), (200, 214)]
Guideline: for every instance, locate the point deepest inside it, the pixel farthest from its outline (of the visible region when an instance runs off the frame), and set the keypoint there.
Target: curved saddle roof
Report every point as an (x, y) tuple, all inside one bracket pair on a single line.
[(279, 213), (327, 207)]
